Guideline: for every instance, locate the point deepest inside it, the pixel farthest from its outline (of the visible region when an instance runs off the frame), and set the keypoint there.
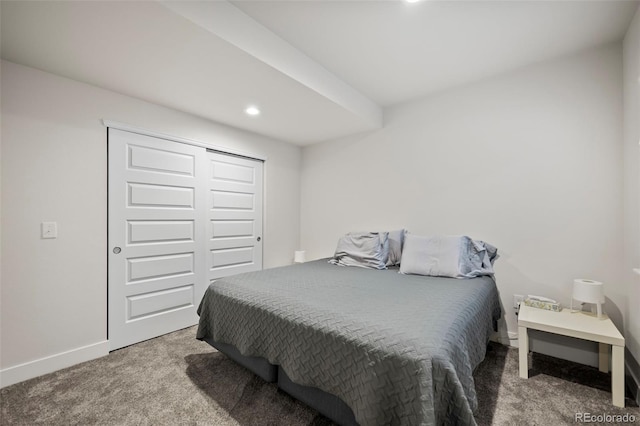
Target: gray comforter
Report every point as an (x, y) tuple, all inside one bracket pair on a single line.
[(398, 349)]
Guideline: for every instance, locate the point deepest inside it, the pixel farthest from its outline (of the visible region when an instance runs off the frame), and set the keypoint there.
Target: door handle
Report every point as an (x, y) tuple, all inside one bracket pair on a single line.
[(117, 250), (259, 239)]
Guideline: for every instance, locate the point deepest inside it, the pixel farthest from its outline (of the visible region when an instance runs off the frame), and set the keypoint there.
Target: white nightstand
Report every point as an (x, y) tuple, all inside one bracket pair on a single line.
[(582, 325)]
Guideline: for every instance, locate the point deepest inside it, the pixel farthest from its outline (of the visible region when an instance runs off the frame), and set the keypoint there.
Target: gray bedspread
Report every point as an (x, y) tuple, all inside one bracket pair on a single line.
[(398, 349)]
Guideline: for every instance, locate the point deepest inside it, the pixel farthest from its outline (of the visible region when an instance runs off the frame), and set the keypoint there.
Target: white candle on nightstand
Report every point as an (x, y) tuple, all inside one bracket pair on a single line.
[(299, 256)]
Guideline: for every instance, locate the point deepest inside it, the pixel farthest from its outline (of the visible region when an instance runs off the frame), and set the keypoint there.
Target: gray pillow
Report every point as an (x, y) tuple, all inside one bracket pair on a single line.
[(396, 240), (362, 249), (447, 256)]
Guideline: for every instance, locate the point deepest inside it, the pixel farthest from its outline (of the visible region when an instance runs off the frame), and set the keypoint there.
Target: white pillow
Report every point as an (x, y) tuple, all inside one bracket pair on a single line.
[(363, 249)]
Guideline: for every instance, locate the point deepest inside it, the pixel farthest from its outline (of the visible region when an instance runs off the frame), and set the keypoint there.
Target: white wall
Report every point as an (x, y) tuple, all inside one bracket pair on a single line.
[(632, 189), (529, 161), (54, 168)]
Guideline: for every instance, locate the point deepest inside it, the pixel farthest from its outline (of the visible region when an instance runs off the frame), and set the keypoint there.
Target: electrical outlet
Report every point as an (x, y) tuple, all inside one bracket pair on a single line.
[(49, 230), (517, 299)]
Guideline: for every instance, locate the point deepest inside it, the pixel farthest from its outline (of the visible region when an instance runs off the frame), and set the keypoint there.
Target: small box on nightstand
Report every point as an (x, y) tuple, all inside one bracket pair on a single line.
[(543, 304)]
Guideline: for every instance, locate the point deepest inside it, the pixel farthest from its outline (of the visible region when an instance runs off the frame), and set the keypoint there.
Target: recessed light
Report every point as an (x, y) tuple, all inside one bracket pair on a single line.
[(252, 110), (412, 1)]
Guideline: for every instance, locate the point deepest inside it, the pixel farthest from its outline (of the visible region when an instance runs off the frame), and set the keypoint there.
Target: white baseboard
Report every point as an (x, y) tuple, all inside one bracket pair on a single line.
[(29, 370), (506, 339), (513, 339)]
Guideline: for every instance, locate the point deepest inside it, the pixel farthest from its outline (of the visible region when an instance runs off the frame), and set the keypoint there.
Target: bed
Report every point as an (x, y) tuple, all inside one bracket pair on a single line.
[(362, 346)]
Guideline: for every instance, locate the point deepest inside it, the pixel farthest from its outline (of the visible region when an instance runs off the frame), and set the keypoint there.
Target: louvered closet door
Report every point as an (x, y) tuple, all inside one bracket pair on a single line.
[(235, 215), (157, 243)]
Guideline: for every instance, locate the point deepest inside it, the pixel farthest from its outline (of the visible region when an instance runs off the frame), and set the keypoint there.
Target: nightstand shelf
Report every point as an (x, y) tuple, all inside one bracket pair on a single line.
[(582, 325)]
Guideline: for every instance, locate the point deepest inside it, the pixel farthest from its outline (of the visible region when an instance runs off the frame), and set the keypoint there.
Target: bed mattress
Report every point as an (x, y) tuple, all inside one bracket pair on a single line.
[(398, 349)]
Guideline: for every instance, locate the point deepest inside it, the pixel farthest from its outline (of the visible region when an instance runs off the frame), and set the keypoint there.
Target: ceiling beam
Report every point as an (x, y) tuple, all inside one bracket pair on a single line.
[(226, 21)]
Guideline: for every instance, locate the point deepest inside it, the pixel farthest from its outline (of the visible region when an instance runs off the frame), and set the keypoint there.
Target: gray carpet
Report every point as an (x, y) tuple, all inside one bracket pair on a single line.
[(176, 379)]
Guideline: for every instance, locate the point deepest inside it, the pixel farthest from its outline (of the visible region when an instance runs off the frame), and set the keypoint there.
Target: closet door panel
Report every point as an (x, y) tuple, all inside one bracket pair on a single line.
[(234, 215), (157, 257)]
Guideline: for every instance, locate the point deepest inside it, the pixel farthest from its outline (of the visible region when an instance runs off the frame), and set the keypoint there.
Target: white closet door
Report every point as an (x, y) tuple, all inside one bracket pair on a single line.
[(235, 215), (157, 244)]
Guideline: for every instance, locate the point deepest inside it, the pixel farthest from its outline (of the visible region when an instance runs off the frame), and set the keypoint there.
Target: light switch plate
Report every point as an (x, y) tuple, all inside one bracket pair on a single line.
[(49, 230)]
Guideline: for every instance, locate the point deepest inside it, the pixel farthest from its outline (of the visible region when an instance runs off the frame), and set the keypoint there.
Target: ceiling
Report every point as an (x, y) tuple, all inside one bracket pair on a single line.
[(318, 70)]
